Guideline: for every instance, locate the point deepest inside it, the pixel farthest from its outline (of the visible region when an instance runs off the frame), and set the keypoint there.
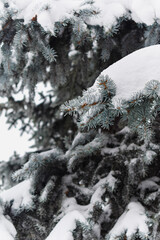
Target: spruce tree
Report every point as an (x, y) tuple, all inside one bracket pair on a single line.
[(95, 173)]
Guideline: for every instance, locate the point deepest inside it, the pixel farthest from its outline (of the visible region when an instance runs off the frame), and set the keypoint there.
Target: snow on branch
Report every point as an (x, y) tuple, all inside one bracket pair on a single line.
[(38, 161), (20, 196), (63, 230), (47, 14), (132, 220), (128, 88)]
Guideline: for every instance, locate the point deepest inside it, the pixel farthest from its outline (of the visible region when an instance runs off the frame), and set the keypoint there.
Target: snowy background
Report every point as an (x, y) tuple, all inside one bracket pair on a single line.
[(10, 141)]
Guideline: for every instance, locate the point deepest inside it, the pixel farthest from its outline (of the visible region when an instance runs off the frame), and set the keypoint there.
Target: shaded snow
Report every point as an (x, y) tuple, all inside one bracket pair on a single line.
[(20, 194), (150, 155), (70, 204), (132, 219), (149, 185), (111, 180), (50, 11), (124, 131), (63, 229), (107, 150)]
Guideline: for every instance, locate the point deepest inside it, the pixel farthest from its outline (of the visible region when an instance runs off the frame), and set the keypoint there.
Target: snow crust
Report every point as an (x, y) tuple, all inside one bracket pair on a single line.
[(63, 229), (50, 11), (20, 194), (132, 219)]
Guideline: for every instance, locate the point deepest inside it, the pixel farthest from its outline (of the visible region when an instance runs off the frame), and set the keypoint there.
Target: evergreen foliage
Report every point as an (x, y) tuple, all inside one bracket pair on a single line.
[(101, 161)]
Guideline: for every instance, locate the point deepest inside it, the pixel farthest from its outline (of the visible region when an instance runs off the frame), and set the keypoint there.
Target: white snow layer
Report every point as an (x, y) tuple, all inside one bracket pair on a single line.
[(132, 219), (7, 230), (63, 229), (131, 73), (20, 194), (22, 198), (50, 11)]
